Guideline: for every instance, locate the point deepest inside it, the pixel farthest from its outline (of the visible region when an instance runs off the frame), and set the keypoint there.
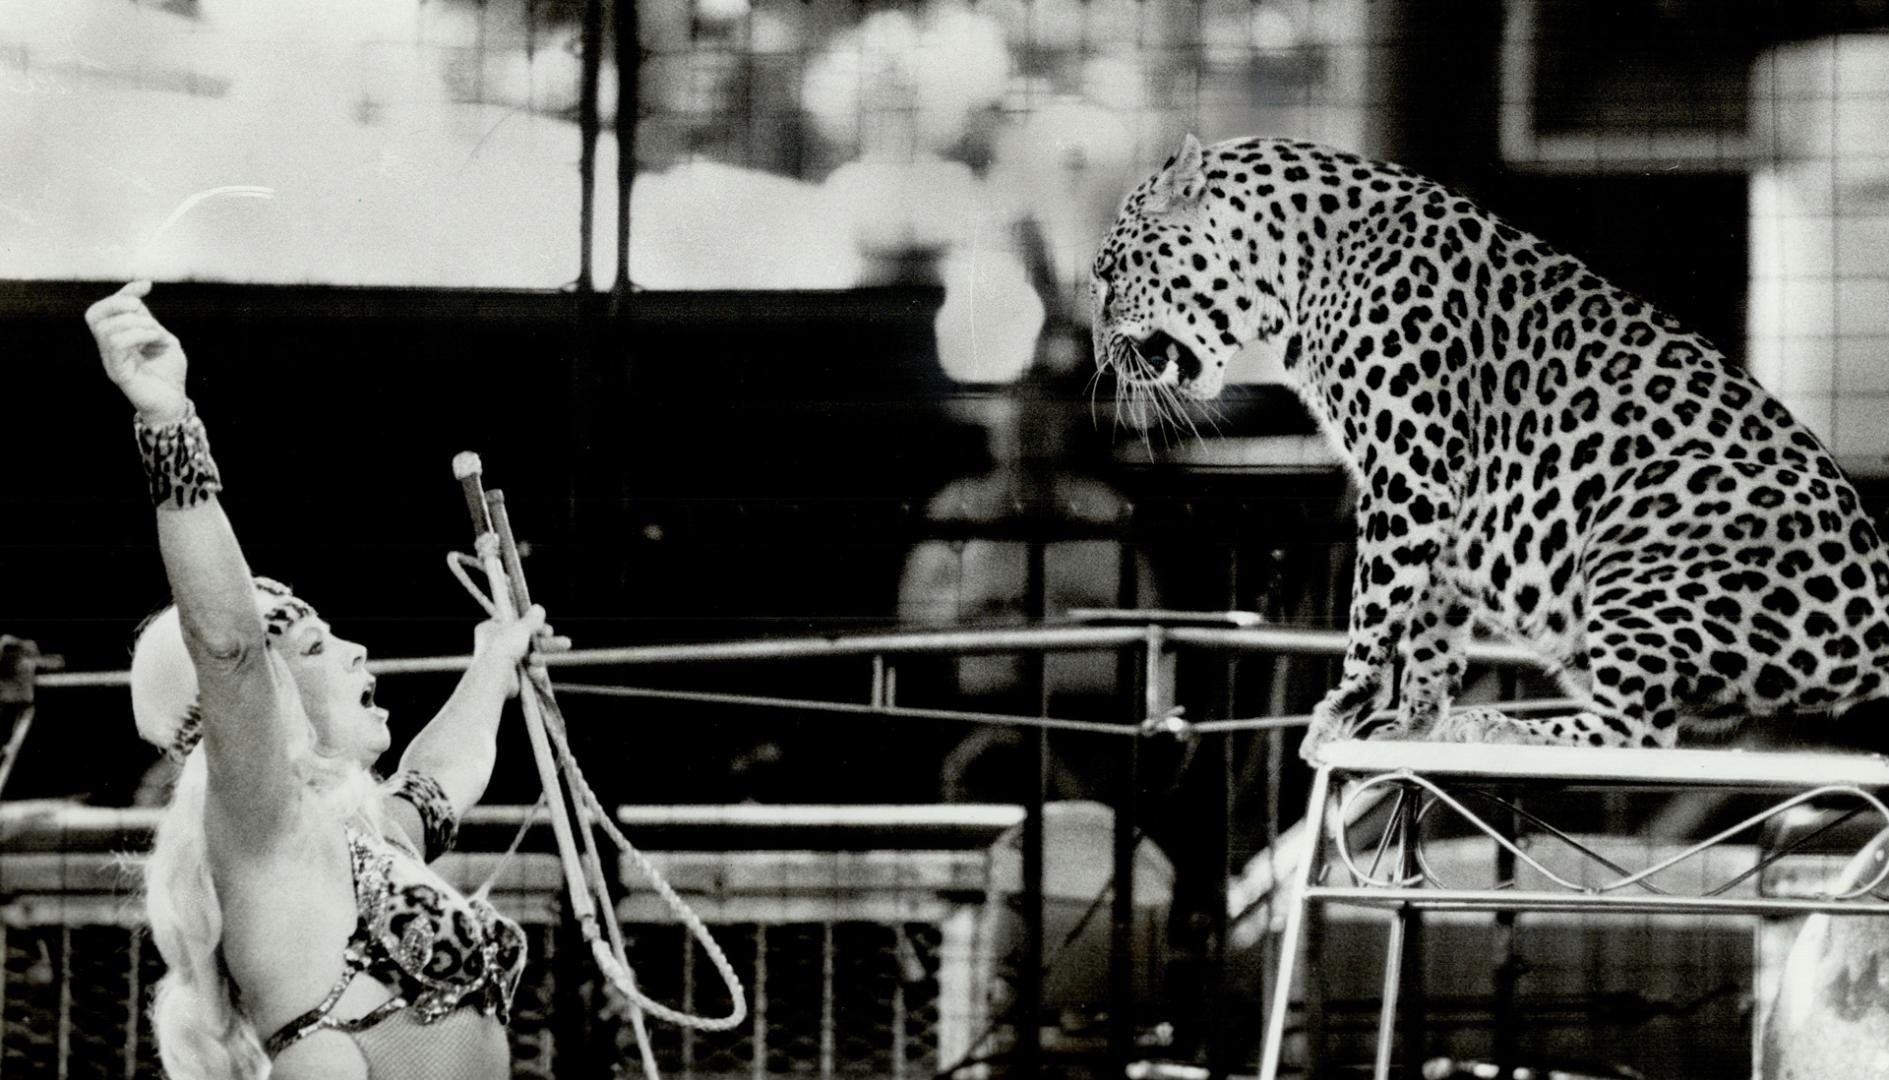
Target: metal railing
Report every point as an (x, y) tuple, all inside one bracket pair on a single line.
[(1153, 642)]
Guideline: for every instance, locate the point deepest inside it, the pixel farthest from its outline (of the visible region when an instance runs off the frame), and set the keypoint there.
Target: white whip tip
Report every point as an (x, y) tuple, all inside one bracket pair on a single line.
[(466, 464)]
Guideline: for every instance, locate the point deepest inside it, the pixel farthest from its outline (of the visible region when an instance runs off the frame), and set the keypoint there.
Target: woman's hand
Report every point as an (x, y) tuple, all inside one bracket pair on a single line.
[(145, 361), (506, 642)]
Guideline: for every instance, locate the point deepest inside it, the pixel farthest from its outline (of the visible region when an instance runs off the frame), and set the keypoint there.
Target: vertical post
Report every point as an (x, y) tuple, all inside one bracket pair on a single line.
[(64, 1030), (629, 78), (3, 1009), (757, 1000), (1301, 909), (590, 438), (898, 1030), (688, 1001), (827, 1040), (1312, 960), (1212, 1018), (1508, 969), (1410, 943), (1029, 1019), (1393, 980), (1207, 1040), (134, 998), (588, 127), (1156, 693)]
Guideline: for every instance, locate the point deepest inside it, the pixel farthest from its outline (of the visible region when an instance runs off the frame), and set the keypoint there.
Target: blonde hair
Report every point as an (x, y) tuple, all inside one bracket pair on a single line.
[(200, 1028)]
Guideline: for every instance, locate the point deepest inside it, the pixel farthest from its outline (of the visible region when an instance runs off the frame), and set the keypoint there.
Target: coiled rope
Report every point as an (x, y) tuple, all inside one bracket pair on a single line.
[(614, 966)]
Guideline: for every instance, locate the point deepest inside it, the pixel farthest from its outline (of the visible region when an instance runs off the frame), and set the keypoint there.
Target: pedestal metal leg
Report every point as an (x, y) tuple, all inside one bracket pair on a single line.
[(1281, 1004), (1393, 982)]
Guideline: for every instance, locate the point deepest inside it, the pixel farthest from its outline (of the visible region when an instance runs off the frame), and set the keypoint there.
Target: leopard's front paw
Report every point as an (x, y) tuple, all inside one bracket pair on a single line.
[(1326, 727), (1483, 724)]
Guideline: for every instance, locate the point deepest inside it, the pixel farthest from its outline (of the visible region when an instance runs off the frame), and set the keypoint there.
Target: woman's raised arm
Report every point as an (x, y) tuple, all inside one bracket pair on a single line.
[(249, 705)]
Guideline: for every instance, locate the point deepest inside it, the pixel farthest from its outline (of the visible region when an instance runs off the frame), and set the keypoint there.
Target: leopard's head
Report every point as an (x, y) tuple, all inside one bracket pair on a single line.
[(1171, 288)]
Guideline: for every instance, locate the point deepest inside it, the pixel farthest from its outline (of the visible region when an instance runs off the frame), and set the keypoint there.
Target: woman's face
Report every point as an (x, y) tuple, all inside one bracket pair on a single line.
[(337, 691)]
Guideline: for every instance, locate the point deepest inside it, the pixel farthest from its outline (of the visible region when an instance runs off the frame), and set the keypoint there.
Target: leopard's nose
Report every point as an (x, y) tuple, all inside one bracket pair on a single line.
[(1158, 349)]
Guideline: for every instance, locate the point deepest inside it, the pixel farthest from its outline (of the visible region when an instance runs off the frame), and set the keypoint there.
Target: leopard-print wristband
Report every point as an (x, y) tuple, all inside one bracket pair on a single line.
[(439, 826), (177, 464)]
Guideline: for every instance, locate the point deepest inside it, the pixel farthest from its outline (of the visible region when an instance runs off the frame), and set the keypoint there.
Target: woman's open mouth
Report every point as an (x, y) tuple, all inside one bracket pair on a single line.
[(367, 693)]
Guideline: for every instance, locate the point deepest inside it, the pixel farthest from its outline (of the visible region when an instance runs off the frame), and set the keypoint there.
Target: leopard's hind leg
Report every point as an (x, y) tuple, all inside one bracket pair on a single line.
[(1630, 672)]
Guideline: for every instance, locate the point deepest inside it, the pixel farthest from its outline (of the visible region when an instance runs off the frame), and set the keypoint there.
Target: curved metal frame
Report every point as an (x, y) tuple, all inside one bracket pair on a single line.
[(1415, 887)]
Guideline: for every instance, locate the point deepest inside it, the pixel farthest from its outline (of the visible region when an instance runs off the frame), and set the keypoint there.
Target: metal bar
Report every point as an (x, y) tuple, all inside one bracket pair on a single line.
[(629, 79), (1508, 972), (588, 128), (1410, 942), (1479, 900), (971, 642), (757, 1029), (1389, 835), (85, 827), (850, 708), (967, 642), (1028, 1035), (1286, 640), (1155, 698), (1282, 721), (898, 1029), (827, 1041), (134, 1002), (22, 723), (1281, 1002), (1772, 858), (689, 1034), (1586, 764), (1506, 857), (1405, 777), (1393, 982), (1028, 1020), (64, 1020)]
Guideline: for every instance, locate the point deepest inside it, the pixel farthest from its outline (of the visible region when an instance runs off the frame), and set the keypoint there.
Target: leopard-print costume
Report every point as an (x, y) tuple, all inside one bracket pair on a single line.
[(178, 468)]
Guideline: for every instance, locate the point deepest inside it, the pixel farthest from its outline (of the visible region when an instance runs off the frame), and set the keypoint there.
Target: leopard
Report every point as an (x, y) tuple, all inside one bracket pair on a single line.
[(1534, 454)]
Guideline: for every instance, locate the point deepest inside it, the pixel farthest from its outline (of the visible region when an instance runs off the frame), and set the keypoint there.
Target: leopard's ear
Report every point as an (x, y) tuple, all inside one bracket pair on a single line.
[(1183, 180)]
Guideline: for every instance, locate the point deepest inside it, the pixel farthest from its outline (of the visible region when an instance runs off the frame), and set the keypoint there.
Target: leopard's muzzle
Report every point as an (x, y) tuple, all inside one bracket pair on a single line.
[(1149, 360)]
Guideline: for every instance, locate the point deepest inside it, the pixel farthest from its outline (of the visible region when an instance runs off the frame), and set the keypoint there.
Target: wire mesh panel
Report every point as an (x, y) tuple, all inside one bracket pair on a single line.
[(77, 997), (827, 999), (74, 1002), (856, 964)]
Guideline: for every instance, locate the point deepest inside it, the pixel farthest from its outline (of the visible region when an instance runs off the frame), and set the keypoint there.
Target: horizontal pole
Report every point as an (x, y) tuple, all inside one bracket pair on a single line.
[(1510, 900), (1051, 723), (1612, 766), (959, 642), (1270, 723), (1291, 641), (963, 642), (75, 822)]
